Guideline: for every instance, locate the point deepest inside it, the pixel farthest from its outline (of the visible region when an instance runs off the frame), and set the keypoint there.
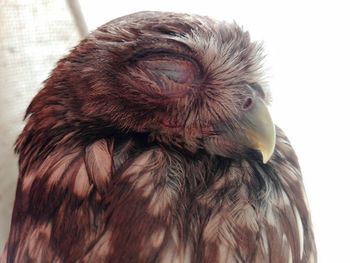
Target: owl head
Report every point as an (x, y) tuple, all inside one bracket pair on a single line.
[(184, 81)]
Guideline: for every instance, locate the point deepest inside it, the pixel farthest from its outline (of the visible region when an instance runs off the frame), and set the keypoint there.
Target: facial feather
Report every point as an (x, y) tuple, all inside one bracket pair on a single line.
[(137, 150)]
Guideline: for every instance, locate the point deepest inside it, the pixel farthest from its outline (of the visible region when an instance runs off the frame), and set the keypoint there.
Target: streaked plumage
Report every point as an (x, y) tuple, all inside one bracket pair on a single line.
[(136, 150)]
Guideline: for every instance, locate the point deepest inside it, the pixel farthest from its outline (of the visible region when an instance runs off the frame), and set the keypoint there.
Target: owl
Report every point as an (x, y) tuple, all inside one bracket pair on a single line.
[(152, 142)]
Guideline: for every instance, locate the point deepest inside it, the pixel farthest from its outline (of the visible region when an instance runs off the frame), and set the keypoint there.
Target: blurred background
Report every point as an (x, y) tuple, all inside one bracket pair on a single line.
[(307, 45)]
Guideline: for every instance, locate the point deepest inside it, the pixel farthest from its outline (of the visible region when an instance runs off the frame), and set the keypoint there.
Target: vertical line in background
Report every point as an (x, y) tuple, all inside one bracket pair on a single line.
[(78, 16)]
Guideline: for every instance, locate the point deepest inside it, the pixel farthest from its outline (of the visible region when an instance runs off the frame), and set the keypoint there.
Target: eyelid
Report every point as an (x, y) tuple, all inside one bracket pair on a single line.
[(176, 68), (160, 52)]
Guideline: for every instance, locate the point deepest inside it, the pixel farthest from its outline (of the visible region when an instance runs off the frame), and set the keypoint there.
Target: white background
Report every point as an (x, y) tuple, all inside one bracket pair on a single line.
[(307, 45)]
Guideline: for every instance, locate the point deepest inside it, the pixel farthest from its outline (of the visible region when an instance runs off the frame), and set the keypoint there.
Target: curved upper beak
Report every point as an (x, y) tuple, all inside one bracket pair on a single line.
[(254, 129), (258, 130)]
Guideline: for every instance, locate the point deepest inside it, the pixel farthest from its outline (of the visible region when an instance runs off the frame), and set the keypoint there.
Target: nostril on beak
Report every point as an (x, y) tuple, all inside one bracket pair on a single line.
[(247, 104)]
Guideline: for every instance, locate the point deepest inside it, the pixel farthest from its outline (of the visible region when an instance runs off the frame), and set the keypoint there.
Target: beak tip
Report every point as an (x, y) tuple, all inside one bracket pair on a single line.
[(266, 155), (265, 158)]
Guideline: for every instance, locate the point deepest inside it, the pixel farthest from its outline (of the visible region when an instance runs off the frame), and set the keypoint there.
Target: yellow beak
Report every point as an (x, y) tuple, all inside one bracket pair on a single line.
[(258, 130), (254, 129)]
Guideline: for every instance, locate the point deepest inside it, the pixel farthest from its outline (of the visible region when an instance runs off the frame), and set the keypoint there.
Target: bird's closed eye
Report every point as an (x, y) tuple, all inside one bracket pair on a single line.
[(177, 69)]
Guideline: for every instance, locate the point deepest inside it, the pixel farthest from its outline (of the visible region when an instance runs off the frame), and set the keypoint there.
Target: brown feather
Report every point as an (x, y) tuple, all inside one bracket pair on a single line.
[(112, 164)]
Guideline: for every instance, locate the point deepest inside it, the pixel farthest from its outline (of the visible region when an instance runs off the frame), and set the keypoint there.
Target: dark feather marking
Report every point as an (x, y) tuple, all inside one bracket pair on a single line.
[(110, 171)]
